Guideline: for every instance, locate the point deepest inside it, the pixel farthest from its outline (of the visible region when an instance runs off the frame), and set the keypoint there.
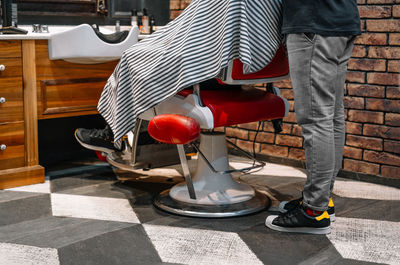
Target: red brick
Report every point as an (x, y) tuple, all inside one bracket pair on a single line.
[(366, 90), (381, 158), (219, 129), (383, 104), (283, 84), (360, 166), (296, 130), (382, 1), (390, 172), (353, 127), (274, 150), (268, 127), (392, 119), (394, 38), (394, 66), (291, 103), (383, 25), (237, 133), (185, 3), (174, 14), (351, 152), (263, 137), (286, 128), (386, 132), (375, 11), (393, 92), (287, 93), (367, 64), (355, 77), (365, 116), (291, 117), (371, 39), (296, 153), (384, 79), (362, 26), (233, 140), (359, 51), (396, 11), (360, 2), (353, 102), (248, 146), (384, 52), (391, 146), (288, 140), (249, 126), (364, 142), (175, 4)]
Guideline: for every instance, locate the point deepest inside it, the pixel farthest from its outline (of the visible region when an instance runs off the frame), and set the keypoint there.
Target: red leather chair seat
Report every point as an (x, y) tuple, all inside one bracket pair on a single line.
[(231, 107), (279, 66), (174, 129)]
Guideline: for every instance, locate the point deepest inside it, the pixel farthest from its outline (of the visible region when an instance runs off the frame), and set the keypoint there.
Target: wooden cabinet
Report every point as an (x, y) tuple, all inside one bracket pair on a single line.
[(12, 140), (33, 87), (68, 89), (11, 106)]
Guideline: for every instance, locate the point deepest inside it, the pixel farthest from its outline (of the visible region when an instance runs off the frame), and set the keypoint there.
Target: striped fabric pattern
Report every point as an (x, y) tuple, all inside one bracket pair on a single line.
[(193, 48)]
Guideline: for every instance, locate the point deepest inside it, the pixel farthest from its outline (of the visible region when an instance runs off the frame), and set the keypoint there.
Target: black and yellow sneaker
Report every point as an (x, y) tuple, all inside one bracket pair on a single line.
[(101, 140), (286, 206), (300, 220)]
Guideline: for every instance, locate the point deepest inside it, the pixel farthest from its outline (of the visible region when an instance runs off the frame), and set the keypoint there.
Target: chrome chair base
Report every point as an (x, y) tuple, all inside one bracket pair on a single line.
[(258, 203)]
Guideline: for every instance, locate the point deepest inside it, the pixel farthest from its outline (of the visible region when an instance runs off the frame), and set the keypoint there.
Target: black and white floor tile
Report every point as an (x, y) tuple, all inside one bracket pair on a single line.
[(83, 214)]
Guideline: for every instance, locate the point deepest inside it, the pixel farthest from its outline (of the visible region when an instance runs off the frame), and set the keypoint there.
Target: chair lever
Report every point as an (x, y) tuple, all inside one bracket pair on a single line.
[(186, 172)]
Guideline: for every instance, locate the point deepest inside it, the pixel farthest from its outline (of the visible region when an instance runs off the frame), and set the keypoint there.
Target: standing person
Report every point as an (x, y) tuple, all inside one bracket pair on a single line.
[(319, 38)]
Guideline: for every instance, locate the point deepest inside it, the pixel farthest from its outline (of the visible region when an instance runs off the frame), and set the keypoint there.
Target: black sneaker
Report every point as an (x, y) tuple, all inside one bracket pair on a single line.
[(286, 206), (96, 139), (298, 221)]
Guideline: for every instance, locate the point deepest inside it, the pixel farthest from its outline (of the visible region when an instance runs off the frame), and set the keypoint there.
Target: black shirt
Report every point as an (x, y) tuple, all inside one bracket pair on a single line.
[(324, 17)]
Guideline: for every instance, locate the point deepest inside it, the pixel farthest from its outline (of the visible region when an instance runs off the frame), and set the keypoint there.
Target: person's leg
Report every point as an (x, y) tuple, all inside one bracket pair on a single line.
[(339, 120), (314, 69)]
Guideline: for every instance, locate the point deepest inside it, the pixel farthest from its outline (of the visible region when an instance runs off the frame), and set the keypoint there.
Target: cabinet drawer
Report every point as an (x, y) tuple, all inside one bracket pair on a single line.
[(11, 108), (70, 95), (10, 48), (10, 67), (12, 142), (11, 94)]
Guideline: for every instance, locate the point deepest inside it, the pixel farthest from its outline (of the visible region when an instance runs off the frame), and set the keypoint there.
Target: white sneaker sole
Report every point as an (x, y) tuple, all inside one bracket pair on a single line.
[(304, 230)]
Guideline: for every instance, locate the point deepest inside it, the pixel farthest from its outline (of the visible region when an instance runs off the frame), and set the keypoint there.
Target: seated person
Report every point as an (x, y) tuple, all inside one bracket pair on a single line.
[(102, 140)]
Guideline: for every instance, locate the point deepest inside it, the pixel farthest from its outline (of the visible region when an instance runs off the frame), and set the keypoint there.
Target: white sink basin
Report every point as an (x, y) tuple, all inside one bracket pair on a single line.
[(80, 44)]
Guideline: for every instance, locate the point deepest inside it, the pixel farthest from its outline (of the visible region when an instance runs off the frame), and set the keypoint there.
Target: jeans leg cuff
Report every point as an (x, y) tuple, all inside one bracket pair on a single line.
[(315, 208)]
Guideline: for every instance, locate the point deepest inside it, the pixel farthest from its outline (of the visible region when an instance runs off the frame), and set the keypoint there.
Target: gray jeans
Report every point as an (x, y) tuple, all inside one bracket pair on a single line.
[(318, 66)]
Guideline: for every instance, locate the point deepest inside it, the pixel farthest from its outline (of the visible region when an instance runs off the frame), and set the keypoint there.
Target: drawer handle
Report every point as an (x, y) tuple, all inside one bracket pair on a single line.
[(2, 67), (3, 147), (2, 100)]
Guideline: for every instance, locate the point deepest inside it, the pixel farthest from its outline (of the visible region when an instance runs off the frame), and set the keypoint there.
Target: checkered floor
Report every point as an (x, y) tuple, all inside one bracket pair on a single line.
[(84, 215)]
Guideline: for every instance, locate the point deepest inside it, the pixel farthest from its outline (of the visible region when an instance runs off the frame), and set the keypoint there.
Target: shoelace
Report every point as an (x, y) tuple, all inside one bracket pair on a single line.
[(101, 133)]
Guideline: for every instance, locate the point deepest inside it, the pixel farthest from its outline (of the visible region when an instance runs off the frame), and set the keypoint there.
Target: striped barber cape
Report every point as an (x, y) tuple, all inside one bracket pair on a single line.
[(193, 48)]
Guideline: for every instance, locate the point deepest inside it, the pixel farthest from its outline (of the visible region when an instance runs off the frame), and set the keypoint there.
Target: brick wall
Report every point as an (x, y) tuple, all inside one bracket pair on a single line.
[(372, 100)]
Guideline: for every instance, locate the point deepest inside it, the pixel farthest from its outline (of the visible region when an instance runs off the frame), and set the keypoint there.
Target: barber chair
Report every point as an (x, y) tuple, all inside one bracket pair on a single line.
[(190, 117)]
